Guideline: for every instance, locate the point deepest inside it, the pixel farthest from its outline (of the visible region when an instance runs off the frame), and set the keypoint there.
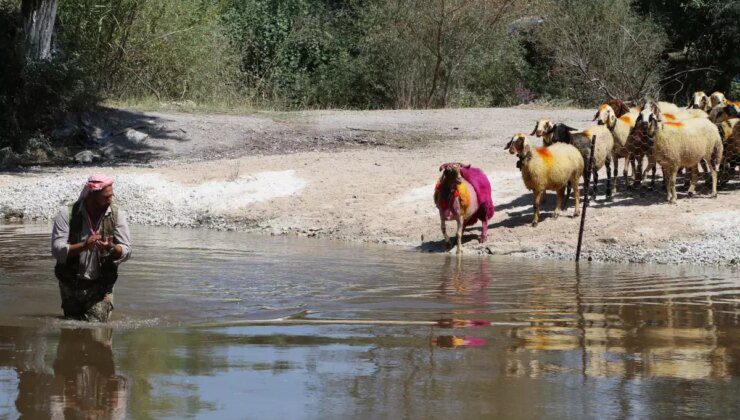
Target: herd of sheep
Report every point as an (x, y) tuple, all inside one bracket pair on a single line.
[(706, 133)]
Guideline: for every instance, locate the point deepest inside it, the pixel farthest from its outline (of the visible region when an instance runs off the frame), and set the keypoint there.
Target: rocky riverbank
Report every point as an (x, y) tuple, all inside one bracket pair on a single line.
[(378, 190)]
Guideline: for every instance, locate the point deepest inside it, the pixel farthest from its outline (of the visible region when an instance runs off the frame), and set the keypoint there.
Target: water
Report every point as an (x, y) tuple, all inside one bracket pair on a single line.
[(531, 338)]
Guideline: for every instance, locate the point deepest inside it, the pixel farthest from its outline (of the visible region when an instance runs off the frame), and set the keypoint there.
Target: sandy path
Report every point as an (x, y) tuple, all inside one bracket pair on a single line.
[(384, 193)]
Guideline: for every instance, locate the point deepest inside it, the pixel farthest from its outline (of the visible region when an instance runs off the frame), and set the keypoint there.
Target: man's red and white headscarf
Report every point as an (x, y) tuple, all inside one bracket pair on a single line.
[(96, 182)]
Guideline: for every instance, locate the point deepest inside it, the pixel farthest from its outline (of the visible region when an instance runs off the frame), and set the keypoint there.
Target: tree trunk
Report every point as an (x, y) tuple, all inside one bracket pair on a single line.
[(38, 26)]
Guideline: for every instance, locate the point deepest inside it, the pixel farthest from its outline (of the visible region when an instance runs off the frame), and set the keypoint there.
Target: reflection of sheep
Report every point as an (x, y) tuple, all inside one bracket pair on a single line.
[(548, 168), (683, 144), (463, 193)]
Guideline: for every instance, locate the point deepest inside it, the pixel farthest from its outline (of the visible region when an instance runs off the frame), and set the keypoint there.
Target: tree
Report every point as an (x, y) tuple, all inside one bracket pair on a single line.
[(38, 27), (702, 52), (427, 42), (602, 49)]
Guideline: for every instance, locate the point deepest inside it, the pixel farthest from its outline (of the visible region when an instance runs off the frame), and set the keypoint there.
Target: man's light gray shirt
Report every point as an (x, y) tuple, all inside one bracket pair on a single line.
[(89, 259)]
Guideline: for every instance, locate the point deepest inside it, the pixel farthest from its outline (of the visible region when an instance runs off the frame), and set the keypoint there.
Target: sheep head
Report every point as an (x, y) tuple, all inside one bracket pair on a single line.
[(620, 108), (542, 127), (733, 110), (648, 110), (450, 174), (717, 98), (700, 100), (606, 115), (518, 145), (650, 117)]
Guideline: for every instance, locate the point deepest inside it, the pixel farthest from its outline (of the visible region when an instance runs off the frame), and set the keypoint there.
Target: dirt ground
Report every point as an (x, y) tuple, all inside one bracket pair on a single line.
[(370, 177)]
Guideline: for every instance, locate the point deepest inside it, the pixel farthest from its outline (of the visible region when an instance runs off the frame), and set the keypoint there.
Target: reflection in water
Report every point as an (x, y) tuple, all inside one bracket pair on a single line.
[(450, 341), (422, 336), (82, 382)]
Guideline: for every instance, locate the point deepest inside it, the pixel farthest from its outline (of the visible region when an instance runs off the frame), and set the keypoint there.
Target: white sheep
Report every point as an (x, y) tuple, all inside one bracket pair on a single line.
[(620, 128), (700, 100), (581, 140), (683, 144), (548, 168), (717, 98)]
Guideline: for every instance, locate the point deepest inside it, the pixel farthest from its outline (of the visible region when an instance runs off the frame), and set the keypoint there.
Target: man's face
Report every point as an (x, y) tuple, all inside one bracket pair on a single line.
[(103, 198)]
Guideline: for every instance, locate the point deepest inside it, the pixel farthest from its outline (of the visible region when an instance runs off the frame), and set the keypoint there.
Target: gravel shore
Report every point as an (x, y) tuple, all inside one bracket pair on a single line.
[(378, 189)]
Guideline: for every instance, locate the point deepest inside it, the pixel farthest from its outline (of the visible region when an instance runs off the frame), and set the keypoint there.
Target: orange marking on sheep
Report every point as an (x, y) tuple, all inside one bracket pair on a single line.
[(669, 117), (545, 155), (627, 120), (675, 124)]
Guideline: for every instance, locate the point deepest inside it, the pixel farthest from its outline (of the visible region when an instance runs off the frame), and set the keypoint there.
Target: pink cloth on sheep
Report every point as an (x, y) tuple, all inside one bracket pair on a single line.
[(478, 179)]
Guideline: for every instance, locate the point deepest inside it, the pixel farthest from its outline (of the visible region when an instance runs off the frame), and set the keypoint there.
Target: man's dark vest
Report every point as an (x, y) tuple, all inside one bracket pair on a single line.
[(68, 270)]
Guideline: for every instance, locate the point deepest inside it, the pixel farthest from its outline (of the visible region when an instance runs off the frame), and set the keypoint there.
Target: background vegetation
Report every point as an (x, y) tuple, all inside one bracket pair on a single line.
[(290, 54)]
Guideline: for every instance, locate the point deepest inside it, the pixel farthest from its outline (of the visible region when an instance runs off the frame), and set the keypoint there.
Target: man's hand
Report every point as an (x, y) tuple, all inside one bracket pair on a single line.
[(106, 244), (91, 241)]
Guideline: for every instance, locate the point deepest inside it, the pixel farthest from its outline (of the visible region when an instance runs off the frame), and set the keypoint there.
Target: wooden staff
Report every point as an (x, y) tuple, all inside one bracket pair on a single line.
[(585, 200)]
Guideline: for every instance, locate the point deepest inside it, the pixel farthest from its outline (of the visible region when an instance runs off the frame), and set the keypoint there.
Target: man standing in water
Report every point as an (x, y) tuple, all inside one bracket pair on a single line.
[(90, 239)]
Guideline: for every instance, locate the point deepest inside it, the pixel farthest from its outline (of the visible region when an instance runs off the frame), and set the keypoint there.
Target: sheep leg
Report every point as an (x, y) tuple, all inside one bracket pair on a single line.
[(694, 180), (713, 168), (625, 170), (537, 198), (610, 187), (459, 221), (567, 196), (484, 232), (595, 184), (638, 171), (670, 174), (444, 232), (616, 171), (560, 193), (707, 175), (577, 195)]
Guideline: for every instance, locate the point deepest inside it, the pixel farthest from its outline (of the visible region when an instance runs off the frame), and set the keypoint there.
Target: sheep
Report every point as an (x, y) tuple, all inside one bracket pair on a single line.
[(717, 98), (683, 144), (547, 131), (724, 112), (700, 100), (726, 128), (581, 140), (729, 131), (620, 127), (675, 115), (548, 168), (463, 193)]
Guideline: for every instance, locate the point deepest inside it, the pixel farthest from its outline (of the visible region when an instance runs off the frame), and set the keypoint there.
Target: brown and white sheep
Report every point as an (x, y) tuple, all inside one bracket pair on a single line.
[(463, 194), (562, 133), (717, 98), (548, 168), (700, 100), (683, 144)]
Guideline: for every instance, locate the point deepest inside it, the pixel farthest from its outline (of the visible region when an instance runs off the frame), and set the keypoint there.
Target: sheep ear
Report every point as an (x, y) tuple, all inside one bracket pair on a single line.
[(526, 148), (442, 166), (596, 116), (508, 145), (534, 132)]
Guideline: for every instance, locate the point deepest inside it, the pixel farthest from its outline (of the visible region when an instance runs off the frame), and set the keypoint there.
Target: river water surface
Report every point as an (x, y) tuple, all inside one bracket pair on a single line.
[(230, 325)]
